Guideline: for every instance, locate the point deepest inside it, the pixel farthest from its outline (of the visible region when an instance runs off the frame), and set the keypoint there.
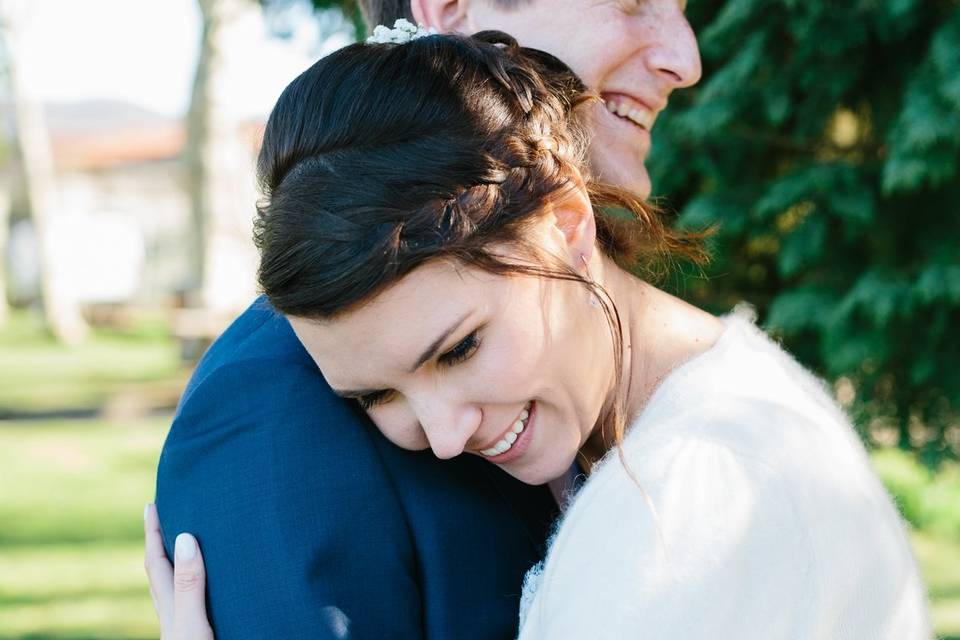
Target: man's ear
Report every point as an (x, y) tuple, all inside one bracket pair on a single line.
[(446, 16), (574, 218)]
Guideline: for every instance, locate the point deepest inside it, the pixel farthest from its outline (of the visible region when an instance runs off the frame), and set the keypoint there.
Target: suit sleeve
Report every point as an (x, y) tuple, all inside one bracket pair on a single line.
[(300, 526)]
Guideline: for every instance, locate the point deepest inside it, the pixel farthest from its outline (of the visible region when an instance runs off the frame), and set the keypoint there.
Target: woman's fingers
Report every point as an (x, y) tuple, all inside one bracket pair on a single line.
[(159, 571), (177, 591), (189, 580)]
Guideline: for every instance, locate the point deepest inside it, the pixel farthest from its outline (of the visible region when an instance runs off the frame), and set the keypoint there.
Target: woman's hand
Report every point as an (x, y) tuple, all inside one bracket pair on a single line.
[(178, 591)]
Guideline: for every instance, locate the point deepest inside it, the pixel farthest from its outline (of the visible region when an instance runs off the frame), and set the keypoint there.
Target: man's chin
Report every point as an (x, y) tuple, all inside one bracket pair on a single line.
[(633, 177), (636, 182), (641, 185)]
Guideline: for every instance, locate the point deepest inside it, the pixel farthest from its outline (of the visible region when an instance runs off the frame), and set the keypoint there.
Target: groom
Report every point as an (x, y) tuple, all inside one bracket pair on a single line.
[(311, 523)]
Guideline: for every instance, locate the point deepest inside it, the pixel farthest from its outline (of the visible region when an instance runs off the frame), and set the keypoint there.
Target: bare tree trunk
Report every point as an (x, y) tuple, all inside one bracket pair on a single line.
[(220, 166), (60, 307), (4, 230), (197, 134)]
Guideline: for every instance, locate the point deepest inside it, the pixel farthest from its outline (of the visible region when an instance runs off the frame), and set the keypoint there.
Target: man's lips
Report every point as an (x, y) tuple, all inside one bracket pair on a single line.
[(629, 107), (650, 103)]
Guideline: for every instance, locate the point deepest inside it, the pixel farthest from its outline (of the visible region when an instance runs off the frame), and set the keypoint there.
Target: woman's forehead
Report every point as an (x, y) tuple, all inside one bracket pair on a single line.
[(395, 324)]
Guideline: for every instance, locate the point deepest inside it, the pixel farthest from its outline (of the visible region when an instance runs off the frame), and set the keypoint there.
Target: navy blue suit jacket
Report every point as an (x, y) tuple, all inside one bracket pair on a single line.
[(313, 525)]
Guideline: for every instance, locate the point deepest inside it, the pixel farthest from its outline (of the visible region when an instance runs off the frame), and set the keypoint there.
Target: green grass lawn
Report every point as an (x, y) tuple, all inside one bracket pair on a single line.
[(940, 561), (37, 374), (71, 562), (70, 546)]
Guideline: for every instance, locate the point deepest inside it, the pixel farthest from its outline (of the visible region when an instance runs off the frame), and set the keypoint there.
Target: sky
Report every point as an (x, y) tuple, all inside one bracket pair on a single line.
[(145, 52)]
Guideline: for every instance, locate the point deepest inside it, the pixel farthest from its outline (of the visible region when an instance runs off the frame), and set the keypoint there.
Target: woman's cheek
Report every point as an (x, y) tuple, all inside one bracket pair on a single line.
[(399, 425), (510, 366)]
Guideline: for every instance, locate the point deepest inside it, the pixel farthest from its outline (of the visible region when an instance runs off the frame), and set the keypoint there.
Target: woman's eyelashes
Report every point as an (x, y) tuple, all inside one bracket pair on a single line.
[(460, 352), (371, 400)]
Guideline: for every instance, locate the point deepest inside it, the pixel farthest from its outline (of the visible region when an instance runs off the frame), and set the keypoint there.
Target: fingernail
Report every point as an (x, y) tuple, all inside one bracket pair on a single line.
[(185, 547), (146, 510)]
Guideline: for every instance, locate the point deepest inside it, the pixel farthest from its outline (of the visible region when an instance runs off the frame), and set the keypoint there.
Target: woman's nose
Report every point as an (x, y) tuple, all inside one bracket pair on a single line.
[(448, 426), (676, 58)]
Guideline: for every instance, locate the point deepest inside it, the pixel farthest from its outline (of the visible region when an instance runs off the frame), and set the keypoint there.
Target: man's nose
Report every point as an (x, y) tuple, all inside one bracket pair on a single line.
[(448, 426), (676, 58)]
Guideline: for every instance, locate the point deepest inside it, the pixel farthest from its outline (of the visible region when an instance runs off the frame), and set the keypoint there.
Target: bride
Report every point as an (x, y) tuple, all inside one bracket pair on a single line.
[(432, 232)]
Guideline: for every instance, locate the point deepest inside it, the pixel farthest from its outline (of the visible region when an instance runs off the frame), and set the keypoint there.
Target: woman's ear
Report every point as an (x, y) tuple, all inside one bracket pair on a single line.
[(446, 16), (574, 218)]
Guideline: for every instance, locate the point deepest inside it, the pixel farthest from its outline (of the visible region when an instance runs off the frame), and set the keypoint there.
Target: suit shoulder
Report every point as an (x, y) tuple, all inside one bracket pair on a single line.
[(258, 341), (260, 331)]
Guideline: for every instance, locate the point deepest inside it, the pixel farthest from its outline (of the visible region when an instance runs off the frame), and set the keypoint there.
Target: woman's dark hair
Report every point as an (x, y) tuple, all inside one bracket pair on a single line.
[(382, 157)]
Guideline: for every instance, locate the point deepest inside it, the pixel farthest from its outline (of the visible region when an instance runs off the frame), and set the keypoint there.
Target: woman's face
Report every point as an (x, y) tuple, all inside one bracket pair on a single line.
[(512, 369)]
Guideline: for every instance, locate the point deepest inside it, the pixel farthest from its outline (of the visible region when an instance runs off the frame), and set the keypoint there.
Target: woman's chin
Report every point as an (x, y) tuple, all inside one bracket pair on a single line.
[(542, 473)]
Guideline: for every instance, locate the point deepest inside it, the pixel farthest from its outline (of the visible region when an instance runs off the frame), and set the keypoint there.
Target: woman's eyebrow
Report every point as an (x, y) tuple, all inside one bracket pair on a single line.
[(436, 344), (426, 355)]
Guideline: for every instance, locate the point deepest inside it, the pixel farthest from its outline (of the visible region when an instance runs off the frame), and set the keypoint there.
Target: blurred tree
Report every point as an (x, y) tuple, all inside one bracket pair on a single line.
[(60, 307), (349, 8), (4, 232), (825, 141), (6, 203), (219, 163)]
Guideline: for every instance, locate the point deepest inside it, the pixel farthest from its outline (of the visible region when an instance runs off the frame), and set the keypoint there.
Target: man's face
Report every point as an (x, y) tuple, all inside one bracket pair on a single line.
[(634, 53)]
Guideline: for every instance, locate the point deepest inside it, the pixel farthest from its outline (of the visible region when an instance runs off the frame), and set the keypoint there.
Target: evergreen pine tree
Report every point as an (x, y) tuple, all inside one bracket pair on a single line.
[(824, 140)]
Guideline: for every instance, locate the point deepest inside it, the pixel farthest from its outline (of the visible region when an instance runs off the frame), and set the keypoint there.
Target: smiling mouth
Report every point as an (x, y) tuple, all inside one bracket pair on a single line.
[(506, 441), (631, 111)]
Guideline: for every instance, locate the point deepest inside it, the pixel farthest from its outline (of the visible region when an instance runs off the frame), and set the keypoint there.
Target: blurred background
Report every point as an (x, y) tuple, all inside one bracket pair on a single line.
[(824, 140)]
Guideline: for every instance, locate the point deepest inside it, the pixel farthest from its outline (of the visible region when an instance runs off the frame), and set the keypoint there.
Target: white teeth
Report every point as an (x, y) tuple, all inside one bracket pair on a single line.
[(507, 441), (641, 117)]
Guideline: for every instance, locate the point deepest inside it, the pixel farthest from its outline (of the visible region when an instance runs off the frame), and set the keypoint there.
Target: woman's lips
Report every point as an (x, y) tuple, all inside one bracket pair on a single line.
[(520, 443)]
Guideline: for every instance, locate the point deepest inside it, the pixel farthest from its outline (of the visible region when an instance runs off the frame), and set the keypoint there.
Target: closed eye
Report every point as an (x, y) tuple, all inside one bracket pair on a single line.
[(461, 351), (371, 400)]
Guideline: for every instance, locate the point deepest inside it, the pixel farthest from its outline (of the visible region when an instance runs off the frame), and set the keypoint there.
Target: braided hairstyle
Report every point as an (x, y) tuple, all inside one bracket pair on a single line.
[(381, 157)]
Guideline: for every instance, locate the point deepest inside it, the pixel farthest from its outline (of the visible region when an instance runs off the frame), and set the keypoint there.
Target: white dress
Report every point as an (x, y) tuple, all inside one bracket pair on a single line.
[(752, 513)]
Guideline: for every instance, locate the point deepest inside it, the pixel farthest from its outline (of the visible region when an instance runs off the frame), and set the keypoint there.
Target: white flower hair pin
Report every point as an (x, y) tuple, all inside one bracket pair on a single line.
[(403, 31)]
